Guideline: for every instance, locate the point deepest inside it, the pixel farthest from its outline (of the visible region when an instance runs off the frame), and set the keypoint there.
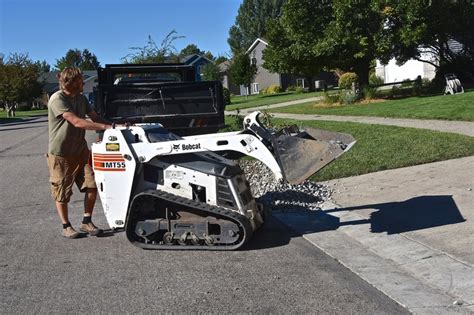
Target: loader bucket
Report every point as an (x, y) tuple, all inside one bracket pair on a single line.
[(303, 154)]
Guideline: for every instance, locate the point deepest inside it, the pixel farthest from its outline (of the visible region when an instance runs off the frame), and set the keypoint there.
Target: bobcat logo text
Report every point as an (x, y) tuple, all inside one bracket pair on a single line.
[(187, 147)]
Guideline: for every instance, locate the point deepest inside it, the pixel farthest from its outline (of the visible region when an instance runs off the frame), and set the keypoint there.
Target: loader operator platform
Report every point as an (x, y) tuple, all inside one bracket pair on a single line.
[(68, 153)]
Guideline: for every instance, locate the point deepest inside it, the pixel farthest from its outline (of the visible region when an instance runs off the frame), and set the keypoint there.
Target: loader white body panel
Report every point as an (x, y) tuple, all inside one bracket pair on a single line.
[(132, 147), (114, 170)]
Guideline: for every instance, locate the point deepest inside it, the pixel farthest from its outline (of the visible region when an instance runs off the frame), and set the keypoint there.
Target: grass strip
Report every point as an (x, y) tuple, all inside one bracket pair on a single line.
[(381, 147), (19, 115), (443, 107)]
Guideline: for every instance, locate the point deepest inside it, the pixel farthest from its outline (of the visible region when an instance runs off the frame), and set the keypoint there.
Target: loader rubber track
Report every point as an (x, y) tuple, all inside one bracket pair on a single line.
[(149, 207)]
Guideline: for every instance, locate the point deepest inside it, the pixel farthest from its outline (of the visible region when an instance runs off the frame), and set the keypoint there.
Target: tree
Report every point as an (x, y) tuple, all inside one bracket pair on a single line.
[(314, 35), (208, 55), (42, 66), (291, 50), (211, 72), (417, 29), (251, 22), (19, 80), (82, 59), (152, 53), (241, 71), (191, 49), (220, 60), (89, 61)]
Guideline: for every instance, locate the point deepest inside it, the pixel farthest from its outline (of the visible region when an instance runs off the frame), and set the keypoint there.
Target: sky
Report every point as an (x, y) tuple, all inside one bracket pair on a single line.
[(47, 29)]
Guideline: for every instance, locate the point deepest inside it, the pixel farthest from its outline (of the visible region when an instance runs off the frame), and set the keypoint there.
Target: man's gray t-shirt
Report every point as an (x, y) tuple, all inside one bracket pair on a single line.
[(64, 138)]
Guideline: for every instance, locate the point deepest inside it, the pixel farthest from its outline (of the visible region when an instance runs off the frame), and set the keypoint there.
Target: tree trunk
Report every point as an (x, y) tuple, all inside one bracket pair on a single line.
[(363, 73)]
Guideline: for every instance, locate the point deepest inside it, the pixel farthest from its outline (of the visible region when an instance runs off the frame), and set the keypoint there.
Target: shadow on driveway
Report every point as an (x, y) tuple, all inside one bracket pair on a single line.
[(392, 217)]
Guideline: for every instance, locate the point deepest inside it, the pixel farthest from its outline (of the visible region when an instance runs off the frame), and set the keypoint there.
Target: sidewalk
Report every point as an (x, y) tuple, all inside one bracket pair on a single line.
[(409, 232), (246, 111), (461, 127)]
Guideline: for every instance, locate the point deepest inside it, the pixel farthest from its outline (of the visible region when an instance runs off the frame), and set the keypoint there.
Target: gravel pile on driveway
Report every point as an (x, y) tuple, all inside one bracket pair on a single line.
[(283, 196)]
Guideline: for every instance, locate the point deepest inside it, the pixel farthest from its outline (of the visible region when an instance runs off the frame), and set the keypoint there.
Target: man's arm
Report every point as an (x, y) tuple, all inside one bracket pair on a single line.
[(85, 124), (96, 118)]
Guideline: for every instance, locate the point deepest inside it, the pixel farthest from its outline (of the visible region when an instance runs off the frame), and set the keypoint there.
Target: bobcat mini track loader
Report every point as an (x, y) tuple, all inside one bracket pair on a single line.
[(173, 192), (170, 180)]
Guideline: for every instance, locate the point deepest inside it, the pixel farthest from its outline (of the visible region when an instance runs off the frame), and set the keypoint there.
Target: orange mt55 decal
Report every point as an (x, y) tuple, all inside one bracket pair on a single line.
[(109, 162)]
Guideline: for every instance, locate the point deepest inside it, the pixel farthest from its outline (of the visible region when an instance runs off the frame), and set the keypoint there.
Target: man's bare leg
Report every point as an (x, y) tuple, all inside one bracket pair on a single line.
[(68, 230), (89, 201), (63, 212)]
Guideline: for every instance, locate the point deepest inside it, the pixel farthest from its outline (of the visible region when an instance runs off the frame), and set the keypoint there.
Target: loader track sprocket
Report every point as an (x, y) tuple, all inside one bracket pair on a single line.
[(160, 220)]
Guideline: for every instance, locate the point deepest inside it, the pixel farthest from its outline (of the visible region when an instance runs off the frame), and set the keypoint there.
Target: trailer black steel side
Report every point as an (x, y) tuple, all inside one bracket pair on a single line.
[(163, 93)]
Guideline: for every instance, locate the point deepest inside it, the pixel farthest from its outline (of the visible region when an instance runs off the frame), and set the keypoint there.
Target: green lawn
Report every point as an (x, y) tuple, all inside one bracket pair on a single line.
[(21, 115), (240, 102), (386, 147), (444, 107)]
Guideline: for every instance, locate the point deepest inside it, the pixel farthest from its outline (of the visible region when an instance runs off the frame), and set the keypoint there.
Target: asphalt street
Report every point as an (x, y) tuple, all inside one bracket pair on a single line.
[(41, 272)]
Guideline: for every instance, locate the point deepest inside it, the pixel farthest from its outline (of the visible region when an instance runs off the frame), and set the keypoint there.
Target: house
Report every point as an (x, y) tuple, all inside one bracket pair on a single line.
[(226, 81), (411, 69), (265, 78), (198, 62)]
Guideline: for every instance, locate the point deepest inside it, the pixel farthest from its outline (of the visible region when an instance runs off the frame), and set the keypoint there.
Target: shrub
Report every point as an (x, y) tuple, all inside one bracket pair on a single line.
[(417, 87), (291, 88), (299, 89), (273, 89), (23, 107), (266, 118), (375, 80), (348, 97), (425, 82), (233, 122), (406, 83), (369, 92), (330, 98), (346, 80), (400, 92), (226, 93)]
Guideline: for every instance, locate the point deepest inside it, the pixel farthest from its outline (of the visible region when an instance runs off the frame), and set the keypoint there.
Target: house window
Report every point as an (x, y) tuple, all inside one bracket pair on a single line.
[(200, 70), (300, 83), (255, 89)]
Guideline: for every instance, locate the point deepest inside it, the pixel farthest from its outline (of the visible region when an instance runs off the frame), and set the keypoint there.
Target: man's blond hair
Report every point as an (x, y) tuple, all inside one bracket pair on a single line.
[(68, 76)]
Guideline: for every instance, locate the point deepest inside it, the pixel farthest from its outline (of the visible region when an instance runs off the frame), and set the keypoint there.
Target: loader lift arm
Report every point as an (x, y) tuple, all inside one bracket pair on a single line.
[(312, 148)]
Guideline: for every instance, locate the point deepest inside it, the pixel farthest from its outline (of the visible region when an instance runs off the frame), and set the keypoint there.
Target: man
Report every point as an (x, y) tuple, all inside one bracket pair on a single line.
[(68, 153)]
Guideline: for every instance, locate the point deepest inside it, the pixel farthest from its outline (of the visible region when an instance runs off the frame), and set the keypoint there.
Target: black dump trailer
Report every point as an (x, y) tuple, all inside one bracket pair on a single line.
[(160, 93)]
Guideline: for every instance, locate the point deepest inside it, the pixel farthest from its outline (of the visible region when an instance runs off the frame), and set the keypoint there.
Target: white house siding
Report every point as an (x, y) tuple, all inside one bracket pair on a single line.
[(264, 77), (409, 70)]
